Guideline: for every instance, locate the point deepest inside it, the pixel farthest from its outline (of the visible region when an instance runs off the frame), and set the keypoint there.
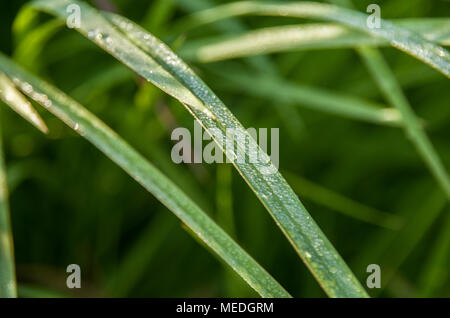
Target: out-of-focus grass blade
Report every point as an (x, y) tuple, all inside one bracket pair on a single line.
[(290, 117), (301, 37), (310, 97), (435, 272), (163, 68), (14, 99), (399, 37), (8, 287), (335, 201), (391, 249), (414, 130), (30, 291), (102, 81), (404, 242), (100, 135), (32, 44), (25, 20), (392, 91)]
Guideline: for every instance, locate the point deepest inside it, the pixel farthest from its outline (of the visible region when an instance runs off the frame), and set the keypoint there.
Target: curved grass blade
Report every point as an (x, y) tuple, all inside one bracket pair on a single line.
[(163, 68), (435, 272), (14, 99), (28, 50), (101, 136), (8, 286), (398, 37), (302, 37)]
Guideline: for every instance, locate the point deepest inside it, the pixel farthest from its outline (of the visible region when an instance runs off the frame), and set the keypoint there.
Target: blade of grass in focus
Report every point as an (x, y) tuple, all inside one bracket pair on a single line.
[(167, 71), (101, 136), (301, 37), (8, 287), (14, 99), (399, 37)]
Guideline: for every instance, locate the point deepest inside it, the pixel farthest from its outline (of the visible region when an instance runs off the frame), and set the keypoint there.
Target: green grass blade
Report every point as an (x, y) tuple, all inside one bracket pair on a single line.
[(279, 90), (337, 202), (8, 286), (413, 127), (30, 47), (163, 68), (290, 117), (14, 99), (301, 37), (101, 136), (399, 37), (435, 272), (135, 262)]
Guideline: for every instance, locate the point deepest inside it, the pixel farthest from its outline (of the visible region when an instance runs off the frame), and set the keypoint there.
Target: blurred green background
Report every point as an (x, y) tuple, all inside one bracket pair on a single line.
[(70, 204)]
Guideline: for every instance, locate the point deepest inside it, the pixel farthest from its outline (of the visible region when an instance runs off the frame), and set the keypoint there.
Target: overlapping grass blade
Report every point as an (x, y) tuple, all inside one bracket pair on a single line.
[(8, 286), (303, 37), (262, 64), (399, 37), (100, 135), (392, 91), (28, 50), (13, 98), (163, 68), (412, 125)]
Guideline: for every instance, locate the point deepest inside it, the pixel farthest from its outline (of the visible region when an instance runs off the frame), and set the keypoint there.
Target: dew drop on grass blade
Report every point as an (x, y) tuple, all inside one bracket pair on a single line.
[(106, 140), (163, 68)]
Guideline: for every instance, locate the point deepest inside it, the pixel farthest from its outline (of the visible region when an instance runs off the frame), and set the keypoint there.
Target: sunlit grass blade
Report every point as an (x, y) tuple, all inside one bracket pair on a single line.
[(337, 202), (28, 50), (399, 37), (392, 91), (163, 68), (8, 287), (310, 97), (101, 136), (262, 64), (301, 37), (14, 99)]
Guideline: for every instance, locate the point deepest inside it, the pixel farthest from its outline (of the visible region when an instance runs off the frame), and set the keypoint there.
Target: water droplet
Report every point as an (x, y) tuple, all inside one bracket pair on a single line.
[(27, 88)]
